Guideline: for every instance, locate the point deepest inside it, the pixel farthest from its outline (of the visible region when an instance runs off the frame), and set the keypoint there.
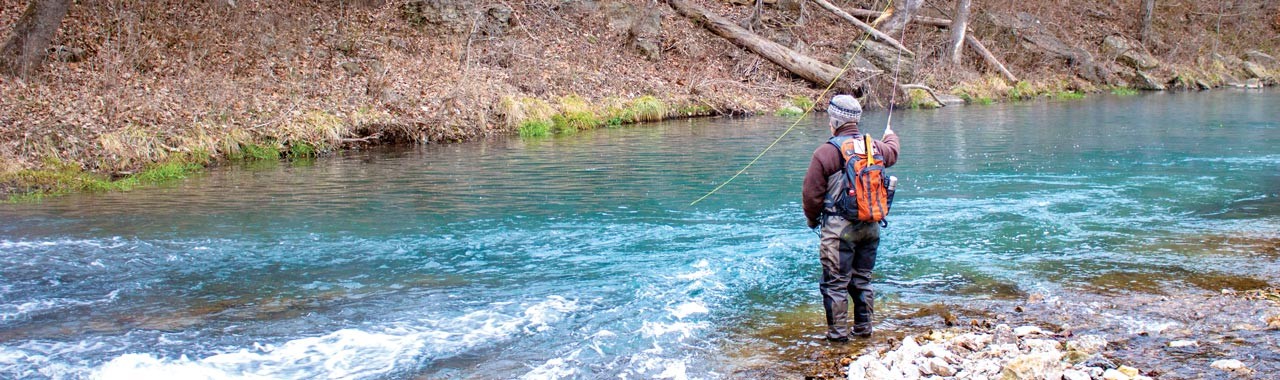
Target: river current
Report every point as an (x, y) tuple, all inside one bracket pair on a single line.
[(580, 256)]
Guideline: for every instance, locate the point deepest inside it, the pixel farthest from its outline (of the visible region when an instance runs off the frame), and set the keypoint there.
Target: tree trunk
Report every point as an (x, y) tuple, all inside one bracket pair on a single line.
[(958, 26), (33, 32), (862, 25), (990, 58), (1148, 7), (808, 68), (900, 16)]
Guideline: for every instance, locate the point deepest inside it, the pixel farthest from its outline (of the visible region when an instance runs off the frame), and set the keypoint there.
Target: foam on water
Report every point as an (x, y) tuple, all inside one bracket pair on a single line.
[(347, 353), (24, 310)]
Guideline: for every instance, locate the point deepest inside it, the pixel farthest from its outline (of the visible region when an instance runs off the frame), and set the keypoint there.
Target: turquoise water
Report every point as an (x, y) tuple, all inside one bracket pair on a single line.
[(581, 256)]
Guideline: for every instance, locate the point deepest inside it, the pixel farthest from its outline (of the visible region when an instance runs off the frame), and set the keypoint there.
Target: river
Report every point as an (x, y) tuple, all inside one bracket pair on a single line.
[(580, 256)]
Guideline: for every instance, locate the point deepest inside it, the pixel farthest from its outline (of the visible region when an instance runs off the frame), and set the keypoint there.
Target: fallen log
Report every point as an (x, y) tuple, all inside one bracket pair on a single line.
[(862, 25), (969, 39), (906, 91), (804, 66)]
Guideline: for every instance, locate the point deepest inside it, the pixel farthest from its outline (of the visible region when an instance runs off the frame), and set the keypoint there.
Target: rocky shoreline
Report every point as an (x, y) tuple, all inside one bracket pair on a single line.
[(1229, 335)]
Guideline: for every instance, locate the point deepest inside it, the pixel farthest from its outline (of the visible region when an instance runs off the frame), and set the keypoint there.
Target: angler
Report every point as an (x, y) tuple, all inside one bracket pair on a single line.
[(849, 207)]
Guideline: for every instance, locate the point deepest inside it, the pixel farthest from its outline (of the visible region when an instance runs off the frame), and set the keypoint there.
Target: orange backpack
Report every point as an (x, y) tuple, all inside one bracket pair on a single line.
[(864, 192)]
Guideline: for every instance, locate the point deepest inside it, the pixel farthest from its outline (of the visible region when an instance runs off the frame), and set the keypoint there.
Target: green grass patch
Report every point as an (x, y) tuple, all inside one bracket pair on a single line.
[(1022, 91), (1068, 95), (789, 111), (691, 110), (302, 150), (60, 178), (648, 108), (918, 99), (802, 102), (257, 152), (535, 128), (1123, 91)]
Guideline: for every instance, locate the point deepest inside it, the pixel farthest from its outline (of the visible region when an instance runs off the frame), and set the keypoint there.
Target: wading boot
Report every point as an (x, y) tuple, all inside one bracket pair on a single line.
[(862, 330)]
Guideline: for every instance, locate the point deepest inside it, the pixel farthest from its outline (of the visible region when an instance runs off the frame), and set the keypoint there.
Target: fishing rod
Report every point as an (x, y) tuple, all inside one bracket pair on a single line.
[(810, 108)]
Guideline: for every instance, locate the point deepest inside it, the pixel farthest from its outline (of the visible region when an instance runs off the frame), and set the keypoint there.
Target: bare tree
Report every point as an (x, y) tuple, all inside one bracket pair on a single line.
[(28, 45), (958, 26), (1148, 8)]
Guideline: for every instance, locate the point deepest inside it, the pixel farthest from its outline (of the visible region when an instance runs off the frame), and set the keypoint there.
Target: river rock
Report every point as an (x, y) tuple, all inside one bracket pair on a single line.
[(938, 351), (1003, 334), (1024, 331), (907, 371), (1229, 365), (1041, 365), (950, 100), (1273, 322), (1262, 58), (1129, 53), (971, 341), (877, 370), (1041, 345), (1090, 344), (1144, 81), (937, 366), (1075, 374), (1183, 343), (1128, 371), (1113, 374), (1256, 70)]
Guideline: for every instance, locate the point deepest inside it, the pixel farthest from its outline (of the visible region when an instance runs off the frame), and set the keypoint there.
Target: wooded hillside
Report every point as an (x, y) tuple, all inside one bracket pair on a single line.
[(118, 86)]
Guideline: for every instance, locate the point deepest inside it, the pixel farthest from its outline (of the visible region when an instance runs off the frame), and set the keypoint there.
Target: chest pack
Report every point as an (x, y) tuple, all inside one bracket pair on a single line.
[(862, 190)]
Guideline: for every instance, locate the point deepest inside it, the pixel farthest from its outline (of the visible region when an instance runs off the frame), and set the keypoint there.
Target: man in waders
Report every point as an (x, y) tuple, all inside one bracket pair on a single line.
[(847, 248)]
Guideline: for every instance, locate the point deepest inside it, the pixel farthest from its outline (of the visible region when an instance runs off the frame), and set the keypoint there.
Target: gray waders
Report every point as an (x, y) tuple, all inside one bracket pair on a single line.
[(848, 254)]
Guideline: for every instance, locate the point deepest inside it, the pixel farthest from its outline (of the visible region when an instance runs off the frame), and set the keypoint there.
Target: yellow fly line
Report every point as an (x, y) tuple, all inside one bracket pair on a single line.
[(798, 120)]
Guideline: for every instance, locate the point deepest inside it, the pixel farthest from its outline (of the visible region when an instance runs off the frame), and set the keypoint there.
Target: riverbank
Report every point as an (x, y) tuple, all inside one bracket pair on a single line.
[(142, 88), (1187, 335)]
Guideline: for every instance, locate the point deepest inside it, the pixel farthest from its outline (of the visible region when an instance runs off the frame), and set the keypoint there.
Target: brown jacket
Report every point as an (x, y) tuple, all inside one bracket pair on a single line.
[(826, 161)]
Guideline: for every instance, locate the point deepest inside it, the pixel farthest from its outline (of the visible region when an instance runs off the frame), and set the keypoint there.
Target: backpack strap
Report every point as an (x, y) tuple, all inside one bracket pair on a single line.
[(870, 153)]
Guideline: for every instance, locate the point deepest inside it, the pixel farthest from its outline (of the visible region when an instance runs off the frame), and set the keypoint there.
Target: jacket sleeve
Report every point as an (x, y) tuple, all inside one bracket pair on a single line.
[(814, 191), (888, 147)]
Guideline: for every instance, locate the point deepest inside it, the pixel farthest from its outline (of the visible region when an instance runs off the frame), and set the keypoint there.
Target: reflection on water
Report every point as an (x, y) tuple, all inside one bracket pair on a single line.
[(580, 256)]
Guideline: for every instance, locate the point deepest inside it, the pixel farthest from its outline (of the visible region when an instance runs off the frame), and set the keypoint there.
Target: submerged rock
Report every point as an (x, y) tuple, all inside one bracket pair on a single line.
[(1183, 343), (1089, 344)]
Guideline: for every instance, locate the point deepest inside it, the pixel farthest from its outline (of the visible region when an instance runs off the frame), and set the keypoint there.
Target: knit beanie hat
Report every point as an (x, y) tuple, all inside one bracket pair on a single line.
[(843, 109)]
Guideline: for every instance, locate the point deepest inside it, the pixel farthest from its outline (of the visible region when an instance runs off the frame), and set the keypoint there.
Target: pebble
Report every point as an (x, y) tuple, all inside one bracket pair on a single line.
[(1112, 374), (1027, 330), (1228, 365), (1127, 370), (1075, 374), (1183, 343)]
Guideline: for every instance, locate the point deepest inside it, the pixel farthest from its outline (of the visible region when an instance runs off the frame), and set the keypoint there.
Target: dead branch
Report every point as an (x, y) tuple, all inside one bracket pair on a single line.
[(913, 86), (862, 25), (969, 39), (801, 65)]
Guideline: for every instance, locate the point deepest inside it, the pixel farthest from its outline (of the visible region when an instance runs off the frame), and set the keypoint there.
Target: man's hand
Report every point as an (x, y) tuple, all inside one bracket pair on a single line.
[(888, 130), (813, 224)]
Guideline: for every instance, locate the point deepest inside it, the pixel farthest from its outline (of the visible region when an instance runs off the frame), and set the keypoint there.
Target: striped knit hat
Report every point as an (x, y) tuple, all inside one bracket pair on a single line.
[(843, 109)]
